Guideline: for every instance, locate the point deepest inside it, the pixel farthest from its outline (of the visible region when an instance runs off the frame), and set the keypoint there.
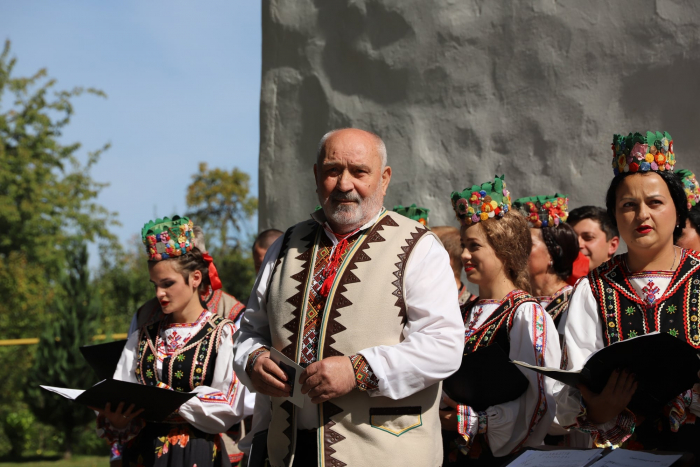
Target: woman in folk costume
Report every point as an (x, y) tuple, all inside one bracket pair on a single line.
[(690, 239), (555, 262), (496, 244), (189, 349), (655, 287)]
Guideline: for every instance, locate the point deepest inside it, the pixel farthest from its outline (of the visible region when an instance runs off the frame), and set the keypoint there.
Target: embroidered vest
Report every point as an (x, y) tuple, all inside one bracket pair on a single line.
[(497, 327), (625, 315), (189, 367), (557, 306), (365, 308)]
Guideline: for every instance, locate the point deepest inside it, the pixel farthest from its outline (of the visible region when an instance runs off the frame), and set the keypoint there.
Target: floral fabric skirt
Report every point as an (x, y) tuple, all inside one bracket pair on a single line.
[(162, 444)]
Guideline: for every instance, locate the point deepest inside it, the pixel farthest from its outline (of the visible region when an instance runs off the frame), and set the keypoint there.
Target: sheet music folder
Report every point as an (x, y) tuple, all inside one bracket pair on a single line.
[(157, 402), (485, 378), (664, 367), (103, 358)]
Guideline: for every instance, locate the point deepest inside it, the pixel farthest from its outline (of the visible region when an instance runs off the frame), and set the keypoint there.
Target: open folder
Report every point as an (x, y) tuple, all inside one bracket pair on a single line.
[(157, 403), (485, 378), (664, 367), (103, 358)]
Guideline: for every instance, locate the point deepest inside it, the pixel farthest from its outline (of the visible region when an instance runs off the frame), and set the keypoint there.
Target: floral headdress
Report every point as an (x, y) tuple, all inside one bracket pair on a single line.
[(642, 153), (544, 211), (414, 212), (168, 238), (481, 202), (692, 188)]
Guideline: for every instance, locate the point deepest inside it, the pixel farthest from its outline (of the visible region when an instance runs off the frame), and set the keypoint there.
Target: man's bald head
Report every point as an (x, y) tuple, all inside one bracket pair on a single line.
[(380, 146)]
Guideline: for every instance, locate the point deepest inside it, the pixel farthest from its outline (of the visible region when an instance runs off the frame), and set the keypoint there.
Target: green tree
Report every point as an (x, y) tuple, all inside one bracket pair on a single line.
[(220, 202), (123, 285), (58, 361)]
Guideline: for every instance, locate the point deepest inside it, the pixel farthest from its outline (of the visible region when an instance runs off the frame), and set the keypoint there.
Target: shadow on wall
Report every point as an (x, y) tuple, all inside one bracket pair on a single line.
[(353, 56), (666, 98)]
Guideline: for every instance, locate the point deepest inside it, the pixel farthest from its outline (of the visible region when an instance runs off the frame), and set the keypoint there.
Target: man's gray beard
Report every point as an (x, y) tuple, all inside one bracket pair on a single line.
[(353, 215)]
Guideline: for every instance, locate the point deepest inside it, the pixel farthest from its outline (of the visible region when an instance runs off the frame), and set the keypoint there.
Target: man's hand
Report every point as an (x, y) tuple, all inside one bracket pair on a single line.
[(268, 378), (327, 379), (603, 407)]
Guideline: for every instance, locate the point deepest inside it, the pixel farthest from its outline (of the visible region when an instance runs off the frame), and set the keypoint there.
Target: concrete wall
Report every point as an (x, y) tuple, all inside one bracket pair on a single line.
[(462, 89)]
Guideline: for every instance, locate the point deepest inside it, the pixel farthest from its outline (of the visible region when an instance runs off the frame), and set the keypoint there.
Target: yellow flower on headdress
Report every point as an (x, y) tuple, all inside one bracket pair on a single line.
[(649, 158), (484, 216)]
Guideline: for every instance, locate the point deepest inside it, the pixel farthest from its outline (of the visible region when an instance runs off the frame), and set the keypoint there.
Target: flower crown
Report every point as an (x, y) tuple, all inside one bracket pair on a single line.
[(168, 238), (692, 188), (638, 153), (481, 202), (413, 212), (544, 211)]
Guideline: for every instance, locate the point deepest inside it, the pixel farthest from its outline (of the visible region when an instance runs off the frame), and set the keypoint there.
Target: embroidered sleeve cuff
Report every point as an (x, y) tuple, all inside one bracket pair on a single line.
[(469, 424), (364, 376), (684, 408), (253, 357), (610, 434)]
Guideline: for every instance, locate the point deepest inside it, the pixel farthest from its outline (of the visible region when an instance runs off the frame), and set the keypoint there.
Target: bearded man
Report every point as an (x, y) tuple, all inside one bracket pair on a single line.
[(364, 300)]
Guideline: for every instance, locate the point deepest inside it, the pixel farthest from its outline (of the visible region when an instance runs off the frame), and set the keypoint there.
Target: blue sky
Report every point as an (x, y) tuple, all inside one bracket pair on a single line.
[(183, 86)]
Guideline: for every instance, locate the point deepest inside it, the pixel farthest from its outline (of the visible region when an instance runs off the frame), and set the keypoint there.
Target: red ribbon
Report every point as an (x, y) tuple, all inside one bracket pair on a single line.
[(331, 268), (213, 274), (579, 269)]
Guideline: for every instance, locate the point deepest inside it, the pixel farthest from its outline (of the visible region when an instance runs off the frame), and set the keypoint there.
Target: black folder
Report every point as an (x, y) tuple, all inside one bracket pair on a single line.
[(103, 358), (157, 402), (486, 378), (664, 367)]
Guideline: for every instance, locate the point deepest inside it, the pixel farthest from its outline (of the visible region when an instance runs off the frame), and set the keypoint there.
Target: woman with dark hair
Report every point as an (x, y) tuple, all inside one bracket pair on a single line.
[(652, 288), (496, 244), (189, 349), (690, 238), (554, 253)]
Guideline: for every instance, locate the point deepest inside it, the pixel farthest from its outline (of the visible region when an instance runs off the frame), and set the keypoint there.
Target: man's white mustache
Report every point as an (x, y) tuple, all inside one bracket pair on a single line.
[(345, 197)]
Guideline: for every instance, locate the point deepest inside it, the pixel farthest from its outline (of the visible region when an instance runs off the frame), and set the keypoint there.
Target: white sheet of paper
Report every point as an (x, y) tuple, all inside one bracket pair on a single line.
[(289, 367), (558, 458), (65, 392), (627, 458)]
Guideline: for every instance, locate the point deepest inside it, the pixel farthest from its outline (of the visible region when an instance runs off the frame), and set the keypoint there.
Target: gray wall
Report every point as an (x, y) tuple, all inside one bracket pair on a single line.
[(461, 90)]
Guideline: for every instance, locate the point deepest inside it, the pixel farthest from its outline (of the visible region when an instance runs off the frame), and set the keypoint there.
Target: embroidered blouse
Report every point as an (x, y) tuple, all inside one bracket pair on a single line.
[(635, 304), (532, 338), (217, 405)]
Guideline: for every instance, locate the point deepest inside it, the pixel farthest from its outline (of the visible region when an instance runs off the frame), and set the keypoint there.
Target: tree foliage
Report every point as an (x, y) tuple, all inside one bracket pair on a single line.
[(219, 201), (58, 361), (47, 202)]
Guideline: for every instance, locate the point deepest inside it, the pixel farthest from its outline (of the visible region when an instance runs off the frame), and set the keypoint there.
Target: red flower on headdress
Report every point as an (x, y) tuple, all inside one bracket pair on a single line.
[(634, 167)]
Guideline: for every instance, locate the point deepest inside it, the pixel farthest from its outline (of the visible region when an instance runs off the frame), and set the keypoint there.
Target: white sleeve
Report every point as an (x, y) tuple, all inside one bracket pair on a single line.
[(583, 335), (525, 420), (434, 333), (254, 331), (222, 404), (126, 368)]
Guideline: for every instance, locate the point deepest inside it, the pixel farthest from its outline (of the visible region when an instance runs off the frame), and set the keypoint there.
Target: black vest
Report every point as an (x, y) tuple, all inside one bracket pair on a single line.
[(189, 367), (557, 306), (625, 315), (497, 326)]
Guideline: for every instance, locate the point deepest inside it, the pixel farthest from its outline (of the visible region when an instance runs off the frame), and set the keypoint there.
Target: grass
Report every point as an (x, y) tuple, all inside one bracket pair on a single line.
[(76, 461)]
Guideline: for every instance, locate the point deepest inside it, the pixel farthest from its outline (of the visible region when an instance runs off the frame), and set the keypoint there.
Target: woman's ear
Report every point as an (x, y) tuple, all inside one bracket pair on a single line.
[(195, 279)]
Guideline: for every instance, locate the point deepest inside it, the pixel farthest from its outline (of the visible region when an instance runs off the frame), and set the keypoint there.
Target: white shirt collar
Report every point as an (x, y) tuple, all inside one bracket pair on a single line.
[(320, 217)]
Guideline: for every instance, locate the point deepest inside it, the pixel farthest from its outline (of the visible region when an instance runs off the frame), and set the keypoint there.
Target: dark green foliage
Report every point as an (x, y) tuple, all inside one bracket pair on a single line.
[(58, 362)]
